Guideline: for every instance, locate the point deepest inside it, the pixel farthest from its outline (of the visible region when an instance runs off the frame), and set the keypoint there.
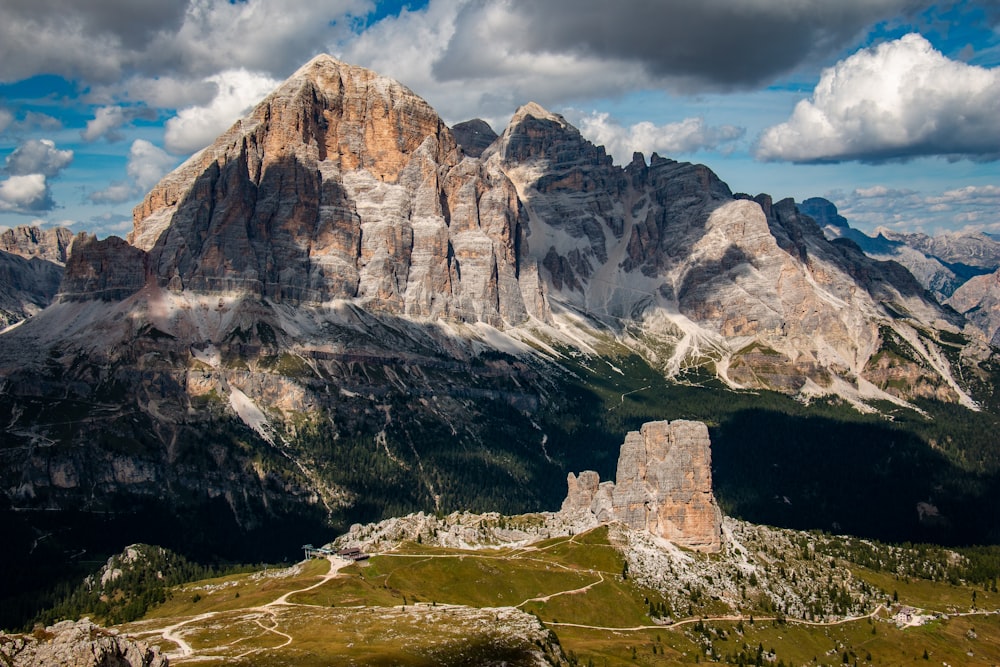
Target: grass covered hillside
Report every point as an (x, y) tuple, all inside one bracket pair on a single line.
[(604, 597)]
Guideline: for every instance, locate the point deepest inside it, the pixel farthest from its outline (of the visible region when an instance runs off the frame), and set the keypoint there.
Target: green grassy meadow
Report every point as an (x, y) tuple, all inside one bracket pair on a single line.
[(424, 605)]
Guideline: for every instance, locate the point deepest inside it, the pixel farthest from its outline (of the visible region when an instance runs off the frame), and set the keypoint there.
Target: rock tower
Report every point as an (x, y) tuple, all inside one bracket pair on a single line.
[(663, 485)]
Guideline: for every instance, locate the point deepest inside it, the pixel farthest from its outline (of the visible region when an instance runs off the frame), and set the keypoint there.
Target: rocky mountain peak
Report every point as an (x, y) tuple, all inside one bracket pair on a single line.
[(538, 112), (341, 184), (474, 136), (823, 211), (31, 268)]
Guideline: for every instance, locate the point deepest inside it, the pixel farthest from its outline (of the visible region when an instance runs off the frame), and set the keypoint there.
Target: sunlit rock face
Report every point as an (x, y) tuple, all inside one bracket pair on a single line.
[(51, 245), (663, 485), (667, 252), (979, 300), (78, 643), (341, 185)]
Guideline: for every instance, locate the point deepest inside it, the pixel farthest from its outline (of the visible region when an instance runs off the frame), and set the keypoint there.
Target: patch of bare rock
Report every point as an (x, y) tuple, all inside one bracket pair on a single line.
[(77, 644)]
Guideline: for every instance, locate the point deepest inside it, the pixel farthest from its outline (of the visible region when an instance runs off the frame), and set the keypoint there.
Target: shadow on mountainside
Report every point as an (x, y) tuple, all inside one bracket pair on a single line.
[(861, 479)]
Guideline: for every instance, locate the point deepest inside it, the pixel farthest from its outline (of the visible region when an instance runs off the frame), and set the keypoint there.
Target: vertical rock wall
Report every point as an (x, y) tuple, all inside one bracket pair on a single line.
[(663, 485)]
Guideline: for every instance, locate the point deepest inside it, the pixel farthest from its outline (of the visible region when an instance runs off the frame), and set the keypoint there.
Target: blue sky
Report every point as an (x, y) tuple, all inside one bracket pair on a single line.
[(890, 108)]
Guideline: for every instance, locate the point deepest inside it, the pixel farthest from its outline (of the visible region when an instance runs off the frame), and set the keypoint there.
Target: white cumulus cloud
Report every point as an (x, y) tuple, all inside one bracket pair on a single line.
[(687, 136), (116, 193), (38, 156), (195, 127), (108, 120), (899, 100), (966, 209), (25, 193), (147, 164)]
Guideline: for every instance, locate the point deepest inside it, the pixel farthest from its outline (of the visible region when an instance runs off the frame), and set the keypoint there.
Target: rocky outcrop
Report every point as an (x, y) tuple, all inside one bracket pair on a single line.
[(979, 300), (663, 485), (31, 266), (474, 136), (26, 286), (78, 644), (108, 269), (52, 245)]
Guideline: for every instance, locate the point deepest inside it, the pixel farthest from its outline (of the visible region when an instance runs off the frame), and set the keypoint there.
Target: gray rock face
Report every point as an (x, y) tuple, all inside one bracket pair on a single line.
[(979, 300), (940, 263), (31, 266), (26, 286), (345, 186), (341, 185), (663, 485), (77, 644), (52, 245), (109, 270), (474, 136)]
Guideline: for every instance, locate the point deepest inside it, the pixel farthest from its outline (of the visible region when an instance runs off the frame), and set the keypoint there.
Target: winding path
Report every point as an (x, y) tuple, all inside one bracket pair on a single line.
[(173, 633)]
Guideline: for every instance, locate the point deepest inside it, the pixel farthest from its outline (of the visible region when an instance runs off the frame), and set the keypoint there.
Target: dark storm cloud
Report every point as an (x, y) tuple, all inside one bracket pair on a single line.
[(709, 44), (83, 38), (100, 41), (131, 21)]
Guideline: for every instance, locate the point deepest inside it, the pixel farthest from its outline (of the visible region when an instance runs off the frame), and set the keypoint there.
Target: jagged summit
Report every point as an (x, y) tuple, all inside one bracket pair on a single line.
[(474, 136), (663, 485), (537, 111), (341, 184)]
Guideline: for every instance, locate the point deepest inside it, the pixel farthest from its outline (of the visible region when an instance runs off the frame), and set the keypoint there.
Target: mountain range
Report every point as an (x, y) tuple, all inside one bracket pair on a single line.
[(342, 309)]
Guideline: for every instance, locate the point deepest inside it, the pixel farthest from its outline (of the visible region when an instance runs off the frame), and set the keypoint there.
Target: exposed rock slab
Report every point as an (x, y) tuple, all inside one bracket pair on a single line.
[(78, 644), (474, 136), (979, 300), (26, 286), (341, 184)]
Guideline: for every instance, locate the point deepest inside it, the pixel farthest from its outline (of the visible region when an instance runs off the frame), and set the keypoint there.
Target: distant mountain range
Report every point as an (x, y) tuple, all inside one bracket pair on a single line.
[(960, 269)]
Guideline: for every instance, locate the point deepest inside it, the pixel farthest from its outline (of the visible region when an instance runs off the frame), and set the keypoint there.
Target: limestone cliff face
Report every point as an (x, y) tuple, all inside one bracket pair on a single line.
[(52, 245), (474, 136), (80, 644), (979, 300), (31, 267), (109, 270), (344, 186), (341, 185), (663, 485), (667, 252), (26, 286)]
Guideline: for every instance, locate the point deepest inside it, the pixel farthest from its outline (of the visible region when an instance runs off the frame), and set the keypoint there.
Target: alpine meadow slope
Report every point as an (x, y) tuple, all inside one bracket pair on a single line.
[(336, 313)]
